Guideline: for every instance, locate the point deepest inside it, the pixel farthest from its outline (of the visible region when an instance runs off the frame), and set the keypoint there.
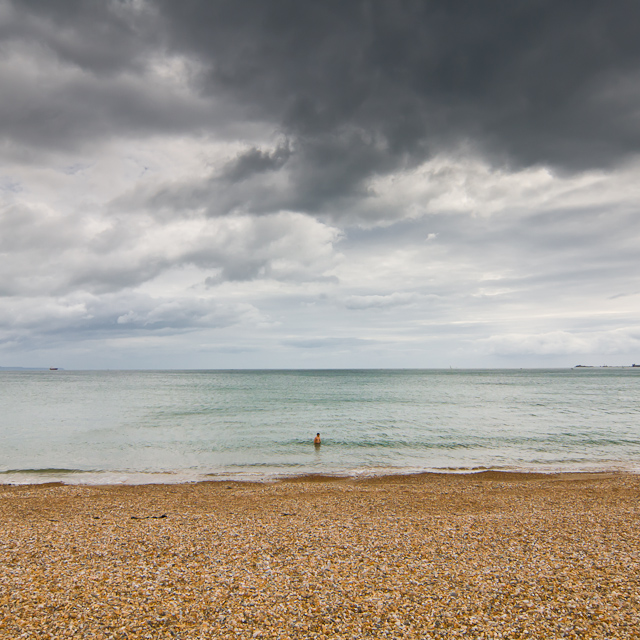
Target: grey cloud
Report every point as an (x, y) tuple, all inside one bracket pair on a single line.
[(329, 343), (286, 247), (381, 301), (49, 253), (359, 89), (328, 177), (77, 73), (84, 316), (615, 341), (366, 87), (238, 188), (624, 295), (101, 37), (66, 112), (176, 314), (256, 161), (567, 262), (231, 349)]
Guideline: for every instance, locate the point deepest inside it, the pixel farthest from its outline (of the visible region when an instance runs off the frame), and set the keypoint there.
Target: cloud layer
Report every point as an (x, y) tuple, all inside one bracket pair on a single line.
[(318, 184)]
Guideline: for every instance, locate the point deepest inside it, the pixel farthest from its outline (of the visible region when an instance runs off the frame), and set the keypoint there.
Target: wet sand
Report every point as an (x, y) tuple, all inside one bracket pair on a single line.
[(432, 556)]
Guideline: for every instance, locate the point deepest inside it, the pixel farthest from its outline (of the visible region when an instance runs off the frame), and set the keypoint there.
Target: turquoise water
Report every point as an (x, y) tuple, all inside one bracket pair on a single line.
[(177, 426)]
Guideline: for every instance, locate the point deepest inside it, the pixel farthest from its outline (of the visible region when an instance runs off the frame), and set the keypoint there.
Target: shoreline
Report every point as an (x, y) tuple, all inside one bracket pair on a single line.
[(484, 555), (32, 477), (392, 479)]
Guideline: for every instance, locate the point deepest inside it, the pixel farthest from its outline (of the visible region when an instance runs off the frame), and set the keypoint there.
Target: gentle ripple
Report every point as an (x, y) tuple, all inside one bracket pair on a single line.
[(174, 426)]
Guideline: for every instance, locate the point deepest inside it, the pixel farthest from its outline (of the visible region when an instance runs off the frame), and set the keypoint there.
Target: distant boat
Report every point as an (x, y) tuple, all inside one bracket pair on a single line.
[(53, 368)]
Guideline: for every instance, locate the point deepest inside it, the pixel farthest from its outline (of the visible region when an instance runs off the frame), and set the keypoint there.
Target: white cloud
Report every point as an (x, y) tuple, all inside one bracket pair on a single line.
[(464, 183), (613, 342)]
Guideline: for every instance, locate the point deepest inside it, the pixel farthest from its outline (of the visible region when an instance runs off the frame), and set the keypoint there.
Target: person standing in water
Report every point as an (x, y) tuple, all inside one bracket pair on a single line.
[(316, 440)]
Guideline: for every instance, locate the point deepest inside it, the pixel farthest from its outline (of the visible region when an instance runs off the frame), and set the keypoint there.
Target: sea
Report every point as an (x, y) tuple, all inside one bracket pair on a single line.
[(136, 427)]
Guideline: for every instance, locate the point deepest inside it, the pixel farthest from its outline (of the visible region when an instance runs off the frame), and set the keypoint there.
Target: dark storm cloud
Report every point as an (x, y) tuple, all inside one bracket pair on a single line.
[(102, 37), (75, 73), (367, 87), (256, 161), (356, 88)]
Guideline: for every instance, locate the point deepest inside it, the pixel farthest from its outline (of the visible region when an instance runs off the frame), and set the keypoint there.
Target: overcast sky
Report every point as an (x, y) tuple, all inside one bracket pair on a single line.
[(279, 183)]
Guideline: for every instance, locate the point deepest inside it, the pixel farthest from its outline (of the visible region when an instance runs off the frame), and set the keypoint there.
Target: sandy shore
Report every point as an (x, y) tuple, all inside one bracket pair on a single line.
[(430, 556)]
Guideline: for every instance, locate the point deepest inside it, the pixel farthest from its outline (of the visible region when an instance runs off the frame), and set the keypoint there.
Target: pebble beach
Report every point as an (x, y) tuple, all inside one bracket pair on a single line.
[(487, 555)]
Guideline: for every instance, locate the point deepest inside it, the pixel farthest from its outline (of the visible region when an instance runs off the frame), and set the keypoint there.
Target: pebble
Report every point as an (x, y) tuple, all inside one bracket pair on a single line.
[(484, 556)]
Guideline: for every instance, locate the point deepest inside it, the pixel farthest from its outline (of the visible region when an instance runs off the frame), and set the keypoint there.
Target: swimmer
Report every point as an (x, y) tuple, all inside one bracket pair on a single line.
[(316, 440)]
